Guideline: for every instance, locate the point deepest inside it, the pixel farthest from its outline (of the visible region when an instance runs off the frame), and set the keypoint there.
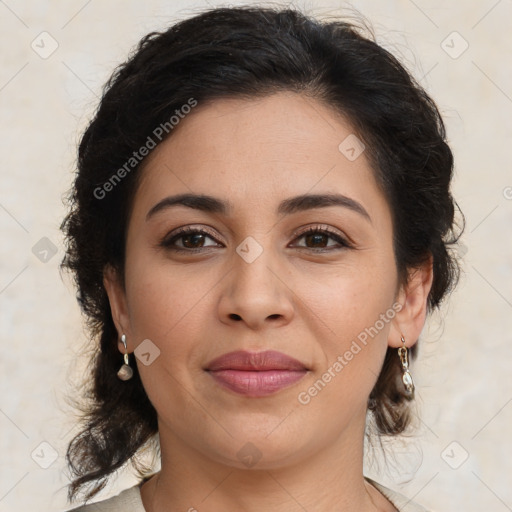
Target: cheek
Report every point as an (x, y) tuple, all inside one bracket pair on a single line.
[(353, 353), (356, 310), (157, 294), (166, 308), (168, 305), (352, 298)]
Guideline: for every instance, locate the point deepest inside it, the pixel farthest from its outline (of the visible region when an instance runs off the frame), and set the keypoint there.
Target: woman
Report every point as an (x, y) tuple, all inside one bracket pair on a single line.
[(259, 226)]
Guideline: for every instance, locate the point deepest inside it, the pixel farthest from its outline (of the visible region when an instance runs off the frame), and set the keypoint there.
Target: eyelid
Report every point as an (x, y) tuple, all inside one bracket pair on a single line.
[(342, 239), (320, 227), (184, 230)]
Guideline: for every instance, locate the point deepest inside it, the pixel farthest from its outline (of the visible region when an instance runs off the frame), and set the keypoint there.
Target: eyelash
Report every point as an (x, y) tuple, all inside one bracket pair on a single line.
[(167, 242)]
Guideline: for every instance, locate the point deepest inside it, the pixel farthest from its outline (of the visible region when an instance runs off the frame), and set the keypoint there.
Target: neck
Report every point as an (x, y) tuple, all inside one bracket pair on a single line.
[(324, 481)]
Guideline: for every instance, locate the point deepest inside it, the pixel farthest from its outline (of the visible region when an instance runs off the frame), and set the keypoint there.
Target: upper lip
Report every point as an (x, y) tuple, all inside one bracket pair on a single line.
[(255, 361)]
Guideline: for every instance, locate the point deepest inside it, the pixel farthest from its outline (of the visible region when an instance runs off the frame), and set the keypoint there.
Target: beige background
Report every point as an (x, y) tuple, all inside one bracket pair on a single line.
[(463, 376)]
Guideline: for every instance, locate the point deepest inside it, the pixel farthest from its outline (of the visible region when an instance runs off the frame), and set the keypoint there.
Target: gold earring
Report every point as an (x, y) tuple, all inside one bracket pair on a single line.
[(125, 372), (406, 375)]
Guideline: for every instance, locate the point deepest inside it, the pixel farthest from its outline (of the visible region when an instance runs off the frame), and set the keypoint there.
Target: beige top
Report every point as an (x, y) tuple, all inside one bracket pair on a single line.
[(130, 500)]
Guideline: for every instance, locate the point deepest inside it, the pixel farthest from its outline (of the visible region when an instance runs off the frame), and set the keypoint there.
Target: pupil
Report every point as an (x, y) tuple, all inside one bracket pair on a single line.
[(187, 237), (317, 237)]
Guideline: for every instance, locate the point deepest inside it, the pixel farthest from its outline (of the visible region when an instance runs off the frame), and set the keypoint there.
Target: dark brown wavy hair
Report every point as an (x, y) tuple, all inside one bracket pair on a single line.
[(246, 52)]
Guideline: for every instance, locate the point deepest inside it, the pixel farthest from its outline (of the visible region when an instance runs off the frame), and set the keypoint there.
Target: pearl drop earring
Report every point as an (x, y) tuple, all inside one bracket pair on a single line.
[(125, 372)]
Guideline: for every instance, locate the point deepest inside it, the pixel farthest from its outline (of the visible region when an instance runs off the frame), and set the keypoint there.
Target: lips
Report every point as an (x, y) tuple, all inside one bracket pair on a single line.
[(255, 361), (256, 374)]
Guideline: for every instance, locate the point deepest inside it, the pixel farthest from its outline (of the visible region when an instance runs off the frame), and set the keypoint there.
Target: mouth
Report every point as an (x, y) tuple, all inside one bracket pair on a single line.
[(256, 374)]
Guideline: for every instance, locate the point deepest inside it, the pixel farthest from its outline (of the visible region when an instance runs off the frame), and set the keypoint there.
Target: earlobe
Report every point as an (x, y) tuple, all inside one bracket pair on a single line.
[(118, 305), (413, 297)]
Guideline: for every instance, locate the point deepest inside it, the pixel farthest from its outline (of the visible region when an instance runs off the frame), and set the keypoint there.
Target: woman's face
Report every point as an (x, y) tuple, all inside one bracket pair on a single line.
[(250, 280)]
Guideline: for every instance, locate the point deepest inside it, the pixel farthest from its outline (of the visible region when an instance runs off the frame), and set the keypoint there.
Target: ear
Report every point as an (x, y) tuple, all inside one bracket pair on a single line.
[(413, 295), (118, 305)]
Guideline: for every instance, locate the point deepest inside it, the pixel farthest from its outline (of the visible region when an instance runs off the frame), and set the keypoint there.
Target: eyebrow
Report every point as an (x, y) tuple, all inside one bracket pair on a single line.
[(288, 206)]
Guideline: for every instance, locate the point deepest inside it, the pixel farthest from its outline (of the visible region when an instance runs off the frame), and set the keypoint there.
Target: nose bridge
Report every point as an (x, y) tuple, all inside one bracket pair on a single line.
[(252, 267), (255, 291)]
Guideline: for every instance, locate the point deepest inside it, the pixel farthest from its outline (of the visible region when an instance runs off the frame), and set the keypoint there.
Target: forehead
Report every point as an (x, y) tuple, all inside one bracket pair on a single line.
[(258, 151)]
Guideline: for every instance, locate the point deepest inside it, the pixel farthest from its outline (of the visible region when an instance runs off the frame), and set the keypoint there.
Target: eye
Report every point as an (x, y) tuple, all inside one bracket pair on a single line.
[(191, 239), (319, 236)]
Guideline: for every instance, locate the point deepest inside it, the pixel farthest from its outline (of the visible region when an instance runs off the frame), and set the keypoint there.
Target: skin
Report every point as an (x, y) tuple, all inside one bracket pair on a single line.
[(310, 305)]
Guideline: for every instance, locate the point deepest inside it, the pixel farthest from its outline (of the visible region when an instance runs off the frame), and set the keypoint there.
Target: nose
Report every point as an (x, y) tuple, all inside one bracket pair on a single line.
[(256, 293)]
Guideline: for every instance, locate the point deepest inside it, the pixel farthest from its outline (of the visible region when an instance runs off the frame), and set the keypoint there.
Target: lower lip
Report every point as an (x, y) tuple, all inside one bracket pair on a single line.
[(257, 383)]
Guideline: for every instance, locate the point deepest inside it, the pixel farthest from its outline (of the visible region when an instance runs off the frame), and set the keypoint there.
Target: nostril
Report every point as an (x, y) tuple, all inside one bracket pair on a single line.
[(234, 316)]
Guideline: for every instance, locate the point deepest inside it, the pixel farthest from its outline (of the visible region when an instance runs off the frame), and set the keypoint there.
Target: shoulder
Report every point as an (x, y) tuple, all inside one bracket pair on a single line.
[(128, 500), (401, 502)]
